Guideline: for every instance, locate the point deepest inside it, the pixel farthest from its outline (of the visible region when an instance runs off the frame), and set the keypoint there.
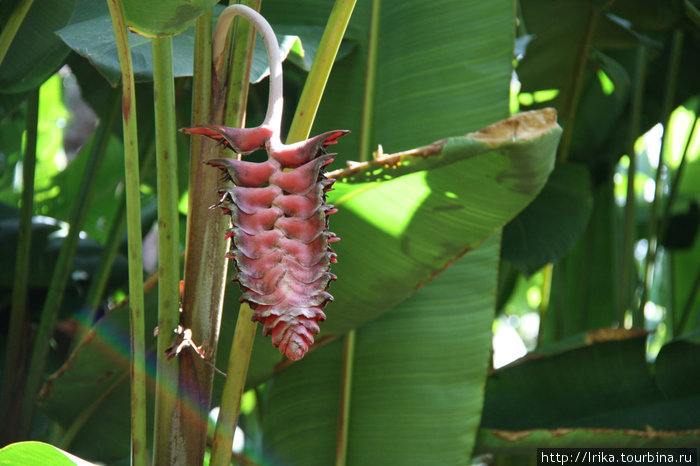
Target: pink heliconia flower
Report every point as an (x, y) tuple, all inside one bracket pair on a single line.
[(281, 242)]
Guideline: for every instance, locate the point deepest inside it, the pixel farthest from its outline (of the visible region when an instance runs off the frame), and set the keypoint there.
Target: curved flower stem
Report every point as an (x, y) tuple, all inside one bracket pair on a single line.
[(12, 26), (239, 71), (273, 117), (133, 228), (17, 338), (244, 335)]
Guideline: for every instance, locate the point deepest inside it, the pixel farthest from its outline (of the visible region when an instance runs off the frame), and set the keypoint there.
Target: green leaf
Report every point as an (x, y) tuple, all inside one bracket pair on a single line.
[(36, 53), (585, 294), (90, 392), (86, 36), (519, 441), (430, 210), (549, 227), (603, 382), (417, 384), (164, 17), (36, 453)]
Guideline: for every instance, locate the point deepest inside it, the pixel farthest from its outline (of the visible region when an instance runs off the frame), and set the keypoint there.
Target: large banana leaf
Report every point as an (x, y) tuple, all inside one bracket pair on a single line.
[(618, 397), (417, 386), (419, 369)]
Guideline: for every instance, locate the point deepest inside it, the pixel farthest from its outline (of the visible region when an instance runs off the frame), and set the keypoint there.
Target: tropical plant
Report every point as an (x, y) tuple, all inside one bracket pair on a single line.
[(462, 220)]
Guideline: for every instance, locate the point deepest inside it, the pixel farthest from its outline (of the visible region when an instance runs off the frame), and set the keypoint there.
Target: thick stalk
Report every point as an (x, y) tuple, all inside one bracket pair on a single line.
[(627, 268), (168, 246), (244, 334), (12, 25), (17, 338), (133, 229), (320, 70), (652, 240), (205, 263), (58, 284)]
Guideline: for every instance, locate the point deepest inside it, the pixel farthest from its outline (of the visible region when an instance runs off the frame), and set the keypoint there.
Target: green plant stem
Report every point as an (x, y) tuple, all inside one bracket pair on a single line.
[(17, 338), (320, 70), (168, 246), (627, 267), (685, 313), (345, 398), (238, 361), (370, 77), (12, 26), (571, 105), (133, 229), (58, 284), (652, 240), (205, 261), (99, 279), (675, 184)]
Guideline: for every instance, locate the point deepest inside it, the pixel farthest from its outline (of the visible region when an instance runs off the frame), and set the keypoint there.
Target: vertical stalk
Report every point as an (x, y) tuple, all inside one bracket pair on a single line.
[(370, 77), (320, 70), (345, 398), (17, 338), (12, 26), (671, 80), (627, 260), (99, 279), (239, 359), (58, 284), (571, 104), (133, 228), (168, 245)]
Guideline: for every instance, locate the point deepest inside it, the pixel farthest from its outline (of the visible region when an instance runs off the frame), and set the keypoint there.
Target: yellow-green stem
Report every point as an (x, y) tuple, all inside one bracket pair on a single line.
[(370, 77), (320, 70), (345, 399), (168, 247), (12, 26), (237, 370), (133, 229)]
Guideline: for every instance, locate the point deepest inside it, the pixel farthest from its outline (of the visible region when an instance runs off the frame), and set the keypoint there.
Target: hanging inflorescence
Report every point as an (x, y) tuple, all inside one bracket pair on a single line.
[(281, 242)]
